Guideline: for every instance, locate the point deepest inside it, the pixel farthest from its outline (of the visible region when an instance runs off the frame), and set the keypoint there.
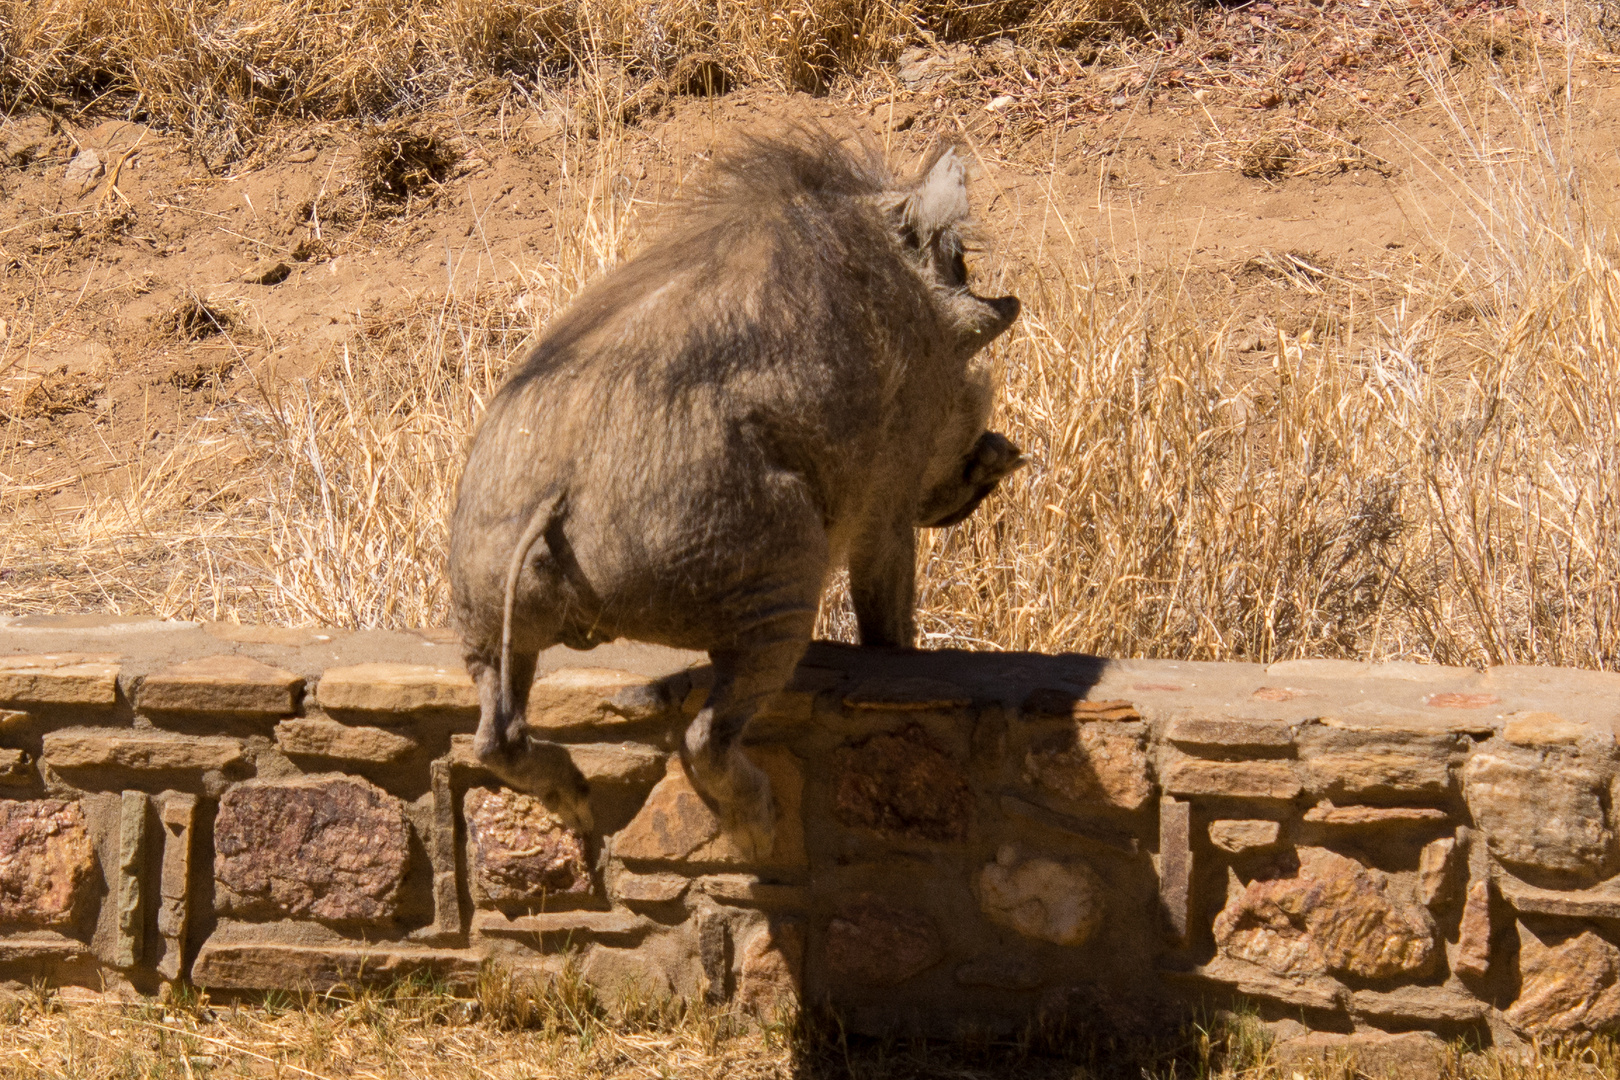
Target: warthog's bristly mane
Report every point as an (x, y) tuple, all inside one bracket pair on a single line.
[(801, 162)]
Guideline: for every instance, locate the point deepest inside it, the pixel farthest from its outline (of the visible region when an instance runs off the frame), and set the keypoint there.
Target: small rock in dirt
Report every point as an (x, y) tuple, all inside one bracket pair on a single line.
[(85, 167), (267, 272)]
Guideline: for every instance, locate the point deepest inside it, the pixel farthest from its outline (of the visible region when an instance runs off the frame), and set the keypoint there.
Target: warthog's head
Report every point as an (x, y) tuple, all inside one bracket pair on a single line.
[(928, 218)]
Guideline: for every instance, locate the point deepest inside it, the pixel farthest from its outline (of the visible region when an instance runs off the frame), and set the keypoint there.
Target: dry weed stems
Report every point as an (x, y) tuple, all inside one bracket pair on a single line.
[(218, 68), (511, 1029)]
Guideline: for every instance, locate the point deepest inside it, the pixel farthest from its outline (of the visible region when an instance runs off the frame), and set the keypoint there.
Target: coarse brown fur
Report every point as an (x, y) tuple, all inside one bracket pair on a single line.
[(783, 384)]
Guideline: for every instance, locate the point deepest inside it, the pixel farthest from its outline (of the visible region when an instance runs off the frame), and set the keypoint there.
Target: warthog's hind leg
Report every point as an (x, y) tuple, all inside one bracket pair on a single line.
[(744, 680), (506, 747)]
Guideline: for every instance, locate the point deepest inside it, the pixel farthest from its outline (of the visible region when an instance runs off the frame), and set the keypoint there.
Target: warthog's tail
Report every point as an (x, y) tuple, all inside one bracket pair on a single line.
[(547, 514)]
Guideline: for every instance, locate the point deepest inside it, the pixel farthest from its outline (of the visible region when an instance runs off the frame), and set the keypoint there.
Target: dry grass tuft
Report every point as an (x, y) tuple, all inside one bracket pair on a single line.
[(194, 318), (422, 1030), (399, 161)]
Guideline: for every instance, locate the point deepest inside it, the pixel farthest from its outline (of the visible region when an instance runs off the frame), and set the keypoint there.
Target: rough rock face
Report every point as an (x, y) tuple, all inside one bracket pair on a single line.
[(873, 942), (1333, 915), (770, 970), (1054, 901), (333, 847), (904, 786), (1349, 765), (1567, 987), (45, 858), (1541, 811), (517, 849), (676, 825), (1094, 763)]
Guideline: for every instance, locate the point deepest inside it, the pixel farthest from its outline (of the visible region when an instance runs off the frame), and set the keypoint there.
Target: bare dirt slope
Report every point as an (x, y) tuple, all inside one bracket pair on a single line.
[(140, 289)]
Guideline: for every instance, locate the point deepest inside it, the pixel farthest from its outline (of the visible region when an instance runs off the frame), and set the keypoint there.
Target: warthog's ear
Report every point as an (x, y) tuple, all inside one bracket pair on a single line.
[(936, 203)]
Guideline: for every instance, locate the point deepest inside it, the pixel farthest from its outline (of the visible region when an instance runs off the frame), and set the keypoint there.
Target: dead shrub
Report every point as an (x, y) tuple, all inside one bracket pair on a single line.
[(192, 318), (399, 162)]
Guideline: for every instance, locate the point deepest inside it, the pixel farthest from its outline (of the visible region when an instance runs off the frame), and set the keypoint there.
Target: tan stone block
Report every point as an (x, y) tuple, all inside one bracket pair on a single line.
[(1233, 779), (1239, 836), (1372, 817), (649, 888), (442, 851), (1549, 729), (1334, 915), (1474, 933), (396, 688), (1602, 902), (1251, 980), (11, 718), (1350, 764), (1542, 812), (131, 868), (59, 679), (271, 966), (224, 684), (676, 825), (1568, 986), (600, 763), (596, 697), (178, 812), (634, 975), (38, 948), (346, 742), (1436, 871), (1054, 701), (1418, 1005), (617, 763), (128, 748), (15, 768), (905, 693), (1229, 734), (1410, 1055), (46, 861), (573, 925), (1176, 865), (771, 977), (750, 890), (1045, 899)]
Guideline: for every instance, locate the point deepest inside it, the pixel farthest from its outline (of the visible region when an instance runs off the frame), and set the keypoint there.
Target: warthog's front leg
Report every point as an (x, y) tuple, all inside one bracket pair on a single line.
[(745, 678), (883, 583), (992, 459), (506, 747)]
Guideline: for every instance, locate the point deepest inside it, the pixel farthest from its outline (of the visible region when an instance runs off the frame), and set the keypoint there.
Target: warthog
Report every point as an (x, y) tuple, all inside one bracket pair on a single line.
[(785, 383)]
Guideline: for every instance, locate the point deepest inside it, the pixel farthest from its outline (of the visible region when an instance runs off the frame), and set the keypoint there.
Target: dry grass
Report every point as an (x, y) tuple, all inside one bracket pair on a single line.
[(220, 68), (1440, 488), (559, 1030)]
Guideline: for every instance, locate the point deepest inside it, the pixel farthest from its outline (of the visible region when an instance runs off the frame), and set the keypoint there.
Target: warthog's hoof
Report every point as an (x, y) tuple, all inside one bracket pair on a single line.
[(544, 769), (751, 824), (740, 791)]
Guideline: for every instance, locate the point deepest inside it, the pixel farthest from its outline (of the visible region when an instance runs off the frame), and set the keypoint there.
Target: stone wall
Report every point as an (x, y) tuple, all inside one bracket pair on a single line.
[(965, 841)]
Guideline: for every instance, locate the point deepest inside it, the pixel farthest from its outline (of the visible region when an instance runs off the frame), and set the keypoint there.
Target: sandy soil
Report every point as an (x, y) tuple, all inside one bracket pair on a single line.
[(139, 289)]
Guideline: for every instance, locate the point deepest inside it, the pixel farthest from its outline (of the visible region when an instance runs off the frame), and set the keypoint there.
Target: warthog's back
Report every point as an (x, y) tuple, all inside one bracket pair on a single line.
[(773, 360)]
